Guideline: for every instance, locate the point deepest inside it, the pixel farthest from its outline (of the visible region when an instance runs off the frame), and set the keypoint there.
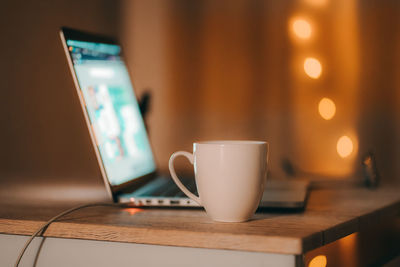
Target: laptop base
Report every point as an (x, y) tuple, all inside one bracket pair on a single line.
[(278, 194)]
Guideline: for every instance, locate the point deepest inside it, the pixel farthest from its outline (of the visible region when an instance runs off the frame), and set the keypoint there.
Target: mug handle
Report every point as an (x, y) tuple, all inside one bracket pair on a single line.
[(176, 179)]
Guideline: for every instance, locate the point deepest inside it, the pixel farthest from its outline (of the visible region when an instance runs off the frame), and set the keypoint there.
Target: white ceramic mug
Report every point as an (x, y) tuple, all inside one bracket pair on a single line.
[(230, 177)]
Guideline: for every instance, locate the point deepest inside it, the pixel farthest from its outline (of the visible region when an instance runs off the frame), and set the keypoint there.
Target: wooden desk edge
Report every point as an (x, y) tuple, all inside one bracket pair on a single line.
[(200, 239), (167, 237)]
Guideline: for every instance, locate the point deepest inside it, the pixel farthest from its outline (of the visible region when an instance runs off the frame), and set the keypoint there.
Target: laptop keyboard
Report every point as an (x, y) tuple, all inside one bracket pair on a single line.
[(163, 187)]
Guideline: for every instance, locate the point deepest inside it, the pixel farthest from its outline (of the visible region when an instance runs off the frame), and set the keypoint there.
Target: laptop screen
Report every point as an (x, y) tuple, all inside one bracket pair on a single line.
[(113, 110)]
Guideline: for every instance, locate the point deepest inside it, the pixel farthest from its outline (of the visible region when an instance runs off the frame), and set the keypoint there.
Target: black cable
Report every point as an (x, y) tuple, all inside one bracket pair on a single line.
[(45, 225)]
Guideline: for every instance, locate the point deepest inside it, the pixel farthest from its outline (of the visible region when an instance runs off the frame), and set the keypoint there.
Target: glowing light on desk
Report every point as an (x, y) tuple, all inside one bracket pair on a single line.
[(132, 211), (326, 108), (312, 67), (318, 261), (344, 146), (302, 28)]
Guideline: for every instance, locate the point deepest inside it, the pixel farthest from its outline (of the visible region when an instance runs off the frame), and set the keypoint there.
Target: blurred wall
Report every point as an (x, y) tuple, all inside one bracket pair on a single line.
[(44, 139), (234, 70), (216, 70), (207, 68), (379, 123)]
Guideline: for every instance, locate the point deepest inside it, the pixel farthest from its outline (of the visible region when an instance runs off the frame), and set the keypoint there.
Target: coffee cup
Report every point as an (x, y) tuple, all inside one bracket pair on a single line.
[(230, 177)]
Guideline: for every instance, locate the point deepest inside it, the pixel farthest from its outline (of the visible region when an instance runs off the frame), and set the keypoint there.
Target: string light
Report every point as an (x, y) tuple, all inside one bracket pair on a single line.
[(326, 108), (312, 67), (302, 28), (344, 146)]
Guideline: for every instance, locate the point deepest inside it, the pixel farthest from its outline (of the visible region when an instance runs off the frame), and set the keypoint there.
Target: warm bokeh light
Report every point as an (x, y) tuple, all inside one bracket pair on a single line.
[(344, 146), (326, 108), (318, 3), (312, 67), (318, 261), (302, 28)]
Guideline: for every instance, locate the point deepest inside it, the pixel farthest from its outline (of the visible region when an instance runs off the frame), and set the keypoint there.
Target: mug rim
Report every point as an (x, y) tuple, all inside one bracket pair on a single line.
[(231, 142)]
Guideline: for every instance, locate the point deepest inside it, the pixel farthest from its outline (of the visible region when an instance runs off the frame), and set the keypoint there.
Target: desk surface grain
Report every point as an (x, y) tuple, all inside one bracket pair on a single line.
[(330, 215)]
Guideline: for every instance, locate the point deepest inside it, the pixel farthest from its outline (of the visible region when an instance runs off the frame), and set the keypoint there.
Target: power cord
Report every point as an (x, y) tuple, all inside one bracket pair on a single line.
[(46, 224)]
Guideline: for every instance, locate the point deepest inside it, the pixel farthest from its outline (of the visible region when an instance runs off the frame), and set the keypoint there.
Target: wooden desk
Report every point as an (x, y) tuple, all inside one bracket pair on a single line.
[(270, 239)]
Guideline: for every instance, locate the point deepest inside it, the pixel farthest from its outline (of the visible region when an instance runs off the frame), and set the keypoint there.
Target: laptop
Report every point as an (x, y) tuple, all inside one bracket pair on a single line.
[(118, 133)]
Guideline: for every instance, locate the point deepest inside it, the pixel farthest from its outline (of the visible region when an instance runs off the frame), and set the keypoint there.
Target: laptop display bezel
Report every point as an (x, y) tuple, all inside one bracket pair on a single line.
[(134, 182)]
